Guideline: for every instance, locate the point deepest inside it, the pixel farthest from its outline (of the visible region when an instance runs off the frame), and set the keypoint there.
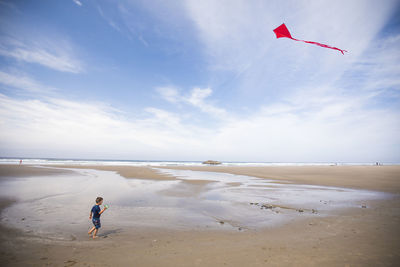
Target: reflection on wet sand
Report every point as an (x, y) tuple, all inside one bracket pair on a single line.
[(57, 206)]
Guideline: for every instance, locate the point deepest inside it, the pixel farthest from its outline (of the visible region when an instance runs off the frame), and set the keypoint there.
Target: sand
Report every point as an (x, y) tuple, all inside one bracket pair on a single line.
[(379, 178), (125, 171), (25, 171), (353, 237)]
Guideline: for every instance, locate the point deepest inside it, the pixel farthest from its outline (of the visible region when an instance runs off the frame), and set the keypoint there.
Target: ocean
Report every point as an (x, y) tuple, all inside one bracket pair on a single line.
[(113, 162)]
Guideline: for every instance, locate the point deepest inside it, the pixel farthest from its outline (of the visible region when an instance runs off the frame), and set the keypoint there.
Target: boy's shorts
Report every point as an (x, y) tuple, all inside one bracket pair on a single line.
[(96, 223)]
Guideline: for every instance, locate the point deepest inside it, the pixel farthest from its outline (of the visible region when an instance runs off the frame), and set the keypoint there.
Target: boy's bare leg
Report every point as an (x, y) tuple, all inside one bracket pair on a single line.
[(95, 233), (91, 230)]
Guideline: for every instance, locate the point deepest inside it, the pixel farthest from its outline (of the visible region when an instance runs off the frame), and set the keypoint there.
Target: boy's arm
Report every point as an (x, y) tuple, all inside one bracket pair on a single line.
[(90, 216), (102, 210)]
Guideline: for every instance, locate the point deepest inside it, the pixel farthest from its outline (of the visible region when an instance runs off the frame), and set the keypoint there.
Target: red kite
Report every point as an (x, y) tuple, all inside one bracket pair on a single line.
[(282, 31)]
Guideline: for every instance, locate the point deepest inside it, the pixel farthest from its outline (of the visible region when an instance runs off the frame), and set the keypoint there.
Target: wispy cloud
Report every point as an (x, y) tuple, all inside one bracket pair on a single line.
[(55, 55), (238, 38), (23, 82), (110, 21), (378, 68), (153, 23), (170, 94), (10, 6), (79, 3), (196, 98)]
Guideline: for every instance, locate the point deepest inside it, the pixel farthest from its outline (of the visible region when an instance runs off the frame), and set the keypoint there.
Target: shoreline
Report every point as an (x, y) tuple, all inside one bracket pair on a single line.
[(353, 236)]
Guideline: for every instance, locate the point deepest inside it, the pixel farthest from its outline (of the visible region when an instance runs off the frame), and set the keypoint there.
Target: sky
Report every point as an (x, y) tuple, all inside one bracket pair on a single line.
[(197, 80)]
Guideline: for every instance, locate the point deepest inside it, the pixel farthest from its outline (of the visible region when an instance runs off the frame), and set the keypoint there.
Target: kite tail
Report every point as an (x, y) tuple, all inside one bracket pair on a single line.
[(322, 45)]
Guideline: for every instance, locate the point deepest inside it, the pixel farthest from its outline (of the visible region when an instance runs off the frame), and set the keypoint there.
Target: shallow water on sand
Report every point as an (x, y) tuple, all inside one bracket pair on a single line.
[(58, 206)]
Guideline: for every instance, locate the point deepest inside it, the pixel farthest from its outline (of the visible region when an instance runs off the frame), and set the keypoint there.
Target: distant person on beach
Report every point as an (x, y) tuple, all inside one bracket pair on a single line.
[(20, 161), (95, 216)]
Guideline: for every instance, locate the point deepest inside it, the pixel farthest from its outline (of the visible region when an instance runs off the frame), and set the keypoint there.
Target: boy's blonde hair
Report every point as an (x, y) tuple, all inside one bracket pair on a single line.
[(98, 199)]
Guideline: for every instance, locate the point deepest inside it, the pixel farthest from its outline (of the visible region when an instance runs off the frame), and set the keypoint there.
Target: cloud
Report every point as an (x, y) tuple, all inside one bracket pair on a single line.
[(10, 6), (155, 24), (55, 126), (318, 129), (238, 39), (311, 104), (317, 137), (57, 56), (167, 119), (170, 94), (110, 22), (378, 68), (196, 98), (77, 2), (198, 95), (23, 82)]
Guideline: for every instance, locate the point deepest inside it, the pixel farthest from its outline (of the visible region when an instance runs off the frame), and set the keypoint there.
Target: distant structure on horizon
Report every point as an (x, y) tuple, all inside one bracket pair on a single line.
[(211, 162)]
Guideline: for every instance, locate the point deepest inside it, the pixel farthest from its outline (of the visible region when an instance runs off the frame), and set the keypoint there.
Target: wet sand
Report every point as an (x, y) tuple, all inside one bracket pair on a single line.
[(28, 171), (379, 178), (353, 237)]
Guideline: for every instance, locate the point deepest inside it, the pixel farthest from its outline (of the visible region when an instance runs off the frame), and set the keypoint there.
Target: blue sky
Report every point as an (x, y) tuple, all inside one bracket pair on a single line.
[(195, 80)]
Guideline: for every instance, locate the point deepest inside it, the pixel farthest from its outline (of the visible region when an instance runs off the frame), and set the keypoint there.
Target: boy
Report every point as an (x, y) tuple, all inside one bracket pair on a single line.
[(96, 212)]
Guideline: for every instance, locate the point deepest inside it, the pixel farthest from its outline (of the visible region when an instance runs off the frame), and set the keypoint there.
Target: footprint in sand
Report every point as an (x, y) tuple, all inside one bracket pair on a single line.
[(70, 262)]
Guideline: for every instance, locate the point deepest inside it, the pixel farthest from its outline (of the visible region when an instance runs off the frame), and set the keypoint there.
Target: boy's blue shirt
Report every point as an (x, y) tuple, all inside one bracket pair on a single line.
[(95, 211)]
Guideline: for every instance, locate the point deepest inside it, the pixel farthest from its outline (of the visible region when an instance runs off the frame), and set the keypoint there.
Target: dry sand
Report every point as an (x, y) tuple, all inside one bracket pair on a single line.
[(354, 237)]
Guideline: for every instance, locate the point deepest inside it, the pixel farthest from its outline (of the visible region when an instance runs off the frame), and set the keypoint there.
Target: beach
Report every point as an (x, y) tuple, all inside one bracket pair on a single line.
[(200, 133), (361, 230)]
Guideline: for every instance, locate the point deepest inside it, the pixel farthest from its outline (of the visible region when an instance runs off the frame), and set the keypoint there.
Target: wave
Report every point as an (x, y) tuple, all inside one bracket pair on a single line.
[(43, 161)]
